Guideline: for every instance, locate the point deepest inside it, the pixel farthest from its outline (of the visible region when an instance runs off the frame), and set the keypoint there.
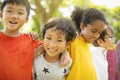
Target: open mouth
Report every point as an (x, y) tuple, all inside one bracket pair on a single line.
[(13, 22), (52, 50)]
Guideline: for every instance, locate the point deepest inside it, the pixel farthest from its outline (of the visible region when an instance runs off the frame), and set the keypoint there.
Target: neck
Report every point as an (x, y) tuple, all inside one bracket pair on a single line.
[(51, 59), (11, 33)]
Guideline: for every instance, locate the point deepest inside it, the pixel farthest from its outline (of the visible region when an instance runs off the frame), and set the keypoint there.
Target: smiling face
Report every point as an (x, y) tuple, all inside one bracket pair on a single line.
[(109, 39), (92, 31), (54, 43), (13, 17)]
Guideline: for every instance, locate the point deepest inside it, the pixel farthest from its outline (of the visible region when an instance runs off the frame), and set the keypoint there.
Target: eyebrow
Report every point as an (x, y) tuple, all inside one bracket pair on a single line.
[(12, 8)]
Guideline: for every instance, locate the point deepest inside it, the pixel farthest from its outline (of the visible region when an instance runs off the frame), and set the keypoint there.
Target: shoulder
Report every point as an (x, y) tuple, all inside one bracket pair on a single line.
[(69, 64), (26, 35)]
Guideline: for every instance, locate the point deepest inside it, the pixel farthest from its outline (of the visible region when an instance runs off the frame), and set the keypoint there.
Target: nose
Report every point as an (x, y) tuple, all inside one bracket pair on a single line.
[(96, 35), (52, 44), (14, 16)]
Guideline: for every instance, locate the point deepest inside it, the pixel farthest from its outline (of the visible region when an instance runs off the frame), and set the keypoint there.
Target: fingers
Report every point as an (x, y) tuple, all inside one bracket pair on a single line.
[(34, 35), (62, 62), (38, 50), (65, 59)]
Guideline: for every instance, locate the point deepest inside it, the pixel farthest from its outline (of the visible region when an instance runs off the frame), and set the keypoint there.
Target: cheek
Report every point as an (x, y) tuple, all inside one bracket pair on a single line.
[(24, 20), (111, 43), (45, 44), (62, 46)]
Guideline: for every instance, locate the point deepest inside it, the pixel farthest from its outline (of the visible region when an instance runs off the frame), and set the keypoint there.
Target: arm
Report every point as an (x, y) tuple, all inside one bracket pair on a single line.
[(38, 50), (34, 35), (65, 59), (67, 67)]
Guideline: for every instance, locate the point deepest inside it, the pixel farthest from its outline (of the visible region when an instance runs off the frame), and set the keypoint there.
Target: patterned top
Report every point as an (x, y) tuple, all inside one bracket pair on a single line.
[(45, 70)]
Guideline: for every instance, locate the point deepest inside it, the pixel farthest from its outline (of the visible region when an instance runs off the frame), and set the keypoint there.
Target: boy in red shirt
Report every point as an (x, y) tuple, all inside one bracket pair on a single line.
[(16, 49)]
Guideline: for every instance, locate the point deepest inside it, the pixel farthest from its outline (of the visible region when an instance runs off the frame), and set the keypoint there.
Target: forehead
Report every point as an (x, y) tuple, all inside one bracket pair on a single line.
[(97, 25), (15, 6), (56, 31)]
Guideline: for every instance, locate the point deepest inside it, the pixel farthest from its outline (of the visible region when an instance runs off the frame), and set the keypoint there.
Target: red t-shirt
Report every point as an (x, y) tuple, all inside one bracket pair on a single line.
[(16, 57)]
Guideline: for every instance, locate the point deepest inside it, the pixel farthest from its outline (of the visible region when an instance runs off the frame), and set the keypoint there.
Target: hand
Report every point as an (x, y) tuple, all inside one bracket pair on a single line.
[(65, 59), (34, 35), (38, 50)]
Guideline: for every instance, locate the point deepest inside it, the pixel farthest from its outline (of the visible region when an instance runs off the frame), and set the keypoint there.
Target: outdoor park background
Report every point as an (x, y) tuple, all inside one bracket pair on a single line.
[(42, 10)]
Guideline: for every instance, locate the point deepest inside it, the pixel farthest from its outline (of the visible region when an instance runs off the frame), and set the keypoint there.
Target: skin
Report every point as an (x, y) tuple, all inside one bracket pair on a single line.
[(54, 44), (109, 41), (13, 17), (92, 31)]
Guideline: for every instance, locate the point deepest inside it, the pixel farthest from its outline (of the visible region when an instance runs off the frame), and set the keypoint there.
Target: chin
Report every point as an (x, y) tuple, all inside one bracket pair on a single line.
[(89, 41)]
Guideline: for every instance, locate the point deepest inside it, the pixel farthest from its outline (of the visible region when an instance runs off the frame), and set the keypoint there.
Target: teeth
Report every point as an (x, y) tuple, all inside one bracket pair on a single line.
[(52, 50), (13, 22)]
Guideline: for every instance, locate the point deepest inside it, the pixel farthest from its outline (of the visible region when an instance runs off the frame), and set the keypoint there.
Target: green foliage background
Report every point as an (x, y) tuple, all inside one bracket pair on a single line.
[(45, 9)]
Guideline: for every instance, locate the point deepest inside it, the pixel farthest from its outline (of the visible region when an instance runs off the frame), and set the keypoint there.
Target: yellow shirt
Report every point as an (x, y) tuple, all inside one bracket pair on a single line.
[(82, 67)]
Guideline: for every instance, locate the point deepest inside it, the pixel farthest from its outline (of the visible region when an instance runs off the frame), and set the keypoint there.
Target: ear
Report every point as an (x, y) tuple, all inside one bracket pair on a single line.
[(100, 42), (82, 26), (26, 20)]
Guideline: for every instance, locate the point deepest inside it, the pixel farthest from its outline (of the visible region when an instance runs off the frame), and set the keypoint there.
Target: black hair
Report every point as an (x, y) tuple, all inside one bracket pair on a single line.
[(19, 2), (86, 16), (103, 34), (65, 26)]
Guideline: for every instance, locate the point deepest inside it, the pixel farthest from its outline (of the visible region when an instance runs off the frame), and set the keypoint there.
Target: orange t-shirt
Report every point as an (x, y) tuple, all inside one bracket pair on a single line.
[(16, 57)]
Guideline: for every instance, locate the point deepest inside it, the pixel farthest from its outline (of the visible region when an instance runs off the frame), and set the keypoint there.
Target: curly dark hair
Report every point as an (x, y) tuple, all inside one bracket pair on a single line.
[(63, 25), (86, 16)]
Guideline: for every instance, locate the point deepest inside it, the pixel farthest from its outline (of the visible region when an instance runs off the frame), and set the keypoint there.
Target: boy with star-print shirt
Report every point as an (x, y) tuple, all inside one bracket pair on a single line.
[(57, 34)]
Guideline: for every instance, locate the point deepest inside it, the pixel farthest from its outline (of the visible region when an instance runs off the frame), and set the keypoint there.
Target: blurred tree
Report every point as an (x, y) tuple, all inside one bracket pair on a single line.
[(45, 9), (113, 17), (115, 21), (42, 10)]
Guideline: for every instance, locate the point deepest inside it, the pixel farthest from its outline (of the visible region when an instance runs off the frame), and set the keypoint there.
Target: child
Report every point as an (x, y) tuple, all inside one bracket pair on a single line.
[(112, 60), (90, 23), (103, 58), (57, 34), (118, 57), (16, 49), (118, 53)]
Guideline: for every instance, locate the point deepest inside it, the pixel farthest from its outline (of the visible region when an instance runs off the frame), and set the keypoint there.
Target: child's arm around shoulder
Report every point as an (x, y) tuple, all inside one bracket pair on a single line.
[(39, 49), (65, 59)]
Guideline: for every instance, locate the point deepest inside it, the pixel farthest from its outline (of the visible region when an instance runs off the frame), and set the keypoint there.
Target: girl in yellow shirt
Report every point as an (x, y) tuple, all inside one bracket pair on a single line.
[(89, 23)]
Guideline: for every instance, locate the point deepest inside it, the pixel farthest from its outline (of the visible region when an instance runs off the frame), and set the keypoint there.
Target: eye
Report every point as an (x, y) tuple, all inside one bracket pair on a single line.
[(60, 41), (48, 38), (93, 31), (20, 13), (9, 11)]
